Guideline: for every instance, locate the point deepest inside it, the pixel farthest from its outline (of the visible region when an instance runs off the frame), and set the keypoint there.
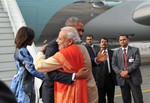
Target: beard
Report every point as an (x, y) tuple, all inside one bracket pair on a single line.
[(62, 46)]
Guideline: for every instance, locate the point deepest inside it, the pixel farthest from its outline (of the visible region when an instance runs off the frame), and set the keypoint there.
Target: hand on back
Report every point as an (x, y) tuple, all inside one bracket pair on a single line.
[(82, 73)]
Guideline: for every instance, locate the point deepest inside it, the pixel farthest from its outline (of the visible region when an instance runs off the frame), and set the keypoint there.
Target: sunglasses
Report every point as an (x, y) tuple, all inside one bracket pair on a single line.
[(80, 30)]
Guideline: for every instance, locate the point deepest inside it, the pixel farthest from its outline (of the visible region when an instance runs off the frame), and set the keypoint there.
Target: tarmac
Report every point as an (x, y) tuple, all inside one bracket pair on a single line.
[(145, 70)]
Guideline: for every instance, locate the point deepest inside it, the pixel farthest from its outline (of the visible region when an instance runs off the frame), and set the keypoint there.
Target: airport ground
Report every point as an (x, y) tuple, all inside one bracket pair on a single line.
[(145, 69)]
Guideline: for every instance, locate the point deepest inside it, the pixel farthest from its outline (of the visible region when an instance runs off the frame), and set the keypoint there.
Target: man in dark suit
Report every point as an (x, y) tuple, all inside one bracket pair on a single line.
[(66, 78), (126, 63), (105, 76), (93, 50), (90, 41), (6, 96)]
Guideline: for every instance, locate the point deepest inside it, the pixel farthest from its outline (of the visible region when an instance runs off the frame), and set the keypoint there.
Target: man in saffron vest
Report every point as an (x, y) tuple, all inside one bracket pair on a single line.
[(72, 56), (47, 87)]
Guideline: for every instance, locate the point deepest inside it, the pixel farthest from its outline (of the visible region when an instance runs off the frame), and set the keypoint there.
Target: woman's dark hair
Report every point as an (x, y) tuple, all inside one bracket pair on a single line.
[(24, 37)]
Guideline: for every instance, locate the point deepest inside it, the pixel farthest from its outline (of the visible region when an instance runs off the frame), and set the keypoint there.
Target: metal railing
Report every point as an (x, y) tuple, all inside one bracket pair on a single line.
[(14, 13), (16, 19)]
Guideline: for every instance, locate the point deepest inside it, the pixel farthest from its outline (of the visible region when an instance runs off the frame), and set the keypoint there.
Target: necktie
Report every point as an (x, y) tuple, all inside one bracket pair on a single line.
[(125, 59), (93, 49), (107, 62)]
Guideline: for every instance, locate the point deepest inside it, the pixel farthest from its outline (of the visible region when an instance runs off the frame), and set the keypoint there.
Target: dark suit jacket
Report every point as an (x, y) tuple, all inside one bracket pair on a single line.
[(6, 96), (133, 65), (92, 57), (101, 71), (91, 53), (48, 83), (62, 77)]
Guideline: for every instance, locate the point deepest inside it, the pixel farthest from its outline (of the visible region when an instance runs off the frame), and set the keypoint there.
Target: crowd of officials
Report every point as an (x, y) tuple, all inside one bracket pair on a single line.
[(74, 71)]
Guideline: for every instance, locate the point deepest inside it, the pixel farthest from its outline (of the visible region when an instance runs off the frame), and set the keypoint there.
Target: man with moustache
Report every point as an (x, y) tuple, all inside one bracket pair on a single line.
[(105, 76)]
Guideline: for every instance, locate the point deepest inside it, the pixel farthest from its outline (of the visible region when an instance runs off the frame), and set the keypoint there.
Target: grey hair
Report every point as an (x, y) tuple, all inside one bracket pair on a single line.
[(72, 21), (72, 34)]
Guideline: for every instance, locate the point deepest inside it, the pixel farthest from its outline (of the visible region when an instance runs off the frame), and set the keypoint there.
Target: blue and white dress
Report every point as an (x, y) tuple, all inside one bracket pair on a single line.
[(23, 82)]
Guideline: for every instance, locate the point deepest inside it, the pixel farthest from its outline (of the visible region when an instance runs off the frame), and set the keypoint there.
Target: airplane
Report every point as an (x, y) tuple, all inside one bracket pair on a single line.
[(102, 18), (141, 14), (46, 17), (119, 20)]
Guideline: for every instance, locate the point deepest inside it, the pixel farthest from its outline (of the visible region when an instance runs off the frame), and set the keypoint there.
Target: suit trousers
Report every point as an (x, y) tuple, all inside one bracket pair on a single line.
[(47, 91), (136, 92), (107, 90)]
